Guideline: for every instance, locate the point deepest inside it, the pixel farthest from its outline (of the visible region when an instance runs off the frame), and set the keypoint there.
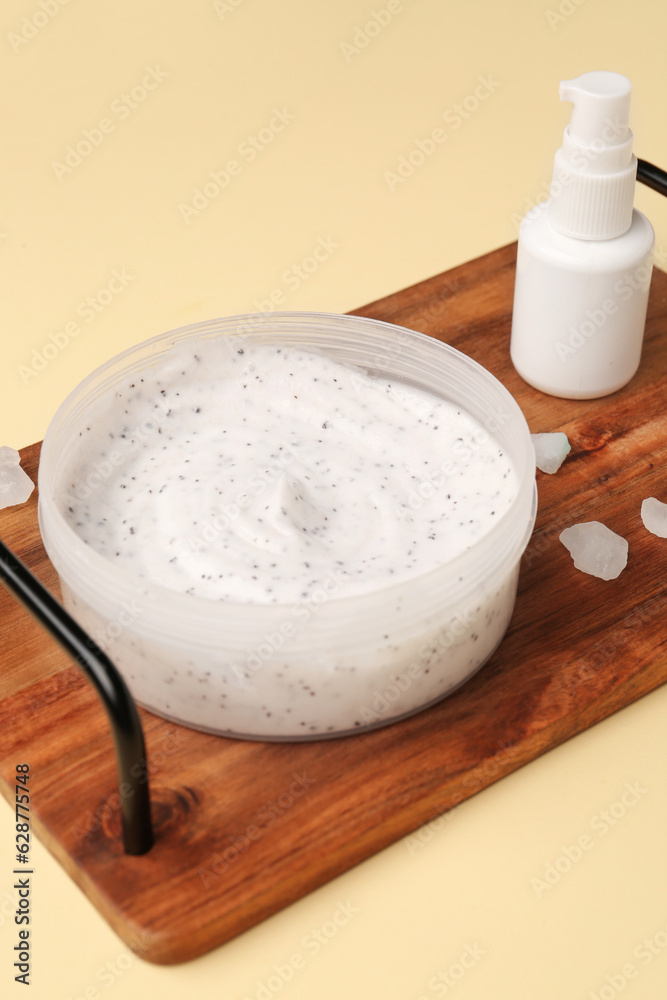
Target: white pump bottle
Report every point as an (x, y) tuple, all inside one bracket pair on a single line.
[(585, 256)]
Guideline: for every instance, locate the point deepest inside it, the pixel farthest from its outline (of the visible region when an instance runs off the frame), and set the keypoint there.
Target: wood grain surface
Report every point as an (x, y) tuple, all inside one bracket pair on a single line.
[(245, 828)]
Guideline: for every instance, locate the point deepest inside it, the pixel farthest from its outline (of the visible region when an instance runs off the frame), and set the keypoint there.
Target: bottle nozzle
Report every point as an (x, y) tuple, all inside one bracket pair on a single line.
[(593, 183), (601, 108)]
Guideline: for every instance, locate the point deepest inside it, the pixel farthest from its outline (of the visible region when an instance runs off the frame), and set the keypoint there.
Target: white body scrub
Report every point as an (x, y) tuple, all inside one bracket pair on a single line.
[(262, 470), (301, 511)]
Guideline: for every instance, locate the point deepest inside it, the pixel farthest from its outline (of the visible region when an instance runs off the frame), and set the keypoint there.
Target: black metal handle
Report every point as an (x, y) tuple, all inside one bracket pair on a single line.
[(652, 176), (125, 723)]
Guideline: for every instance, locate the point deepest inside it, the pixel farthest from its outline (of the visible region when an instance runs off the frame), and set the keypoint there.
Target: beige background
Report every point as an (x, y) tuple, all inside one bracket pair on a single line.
[(219, 72)]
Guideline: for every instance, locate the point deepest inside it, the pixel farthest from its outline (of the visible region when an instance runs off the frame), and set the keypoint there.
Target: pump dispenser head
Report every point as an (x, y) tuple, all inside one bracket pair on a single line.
[(593, 184)]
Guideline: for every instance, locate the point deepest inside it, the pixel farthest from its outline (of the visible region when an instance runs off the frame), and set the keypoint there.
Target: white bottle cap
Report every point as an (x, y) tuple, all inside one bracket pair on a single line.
[(593, 184)]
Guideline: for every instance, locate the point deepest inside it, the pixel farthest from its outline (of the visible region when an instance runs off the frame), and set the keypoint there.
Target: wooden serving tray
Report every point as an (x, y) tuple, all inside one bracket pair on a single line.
[(245, 828)]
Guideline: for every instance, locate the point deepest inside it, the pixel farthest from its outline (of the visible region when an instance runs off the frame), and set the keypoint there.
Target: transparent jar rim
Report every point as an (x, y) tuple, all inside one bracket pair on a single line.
[(182, 610)]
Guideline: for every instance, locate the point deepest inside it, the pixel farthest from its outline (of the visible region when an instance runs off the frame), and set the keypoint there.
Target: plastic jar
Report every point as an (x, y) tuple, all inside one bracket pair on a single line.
[(333, 665)]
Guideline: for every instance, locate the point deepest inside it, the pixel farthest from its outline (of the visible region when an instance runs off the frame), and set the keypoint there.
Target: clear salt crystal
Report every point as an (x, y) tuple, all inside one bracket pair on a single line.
[(9, 456), (596, 549), (551, 450), (654, 516), (15, 485)]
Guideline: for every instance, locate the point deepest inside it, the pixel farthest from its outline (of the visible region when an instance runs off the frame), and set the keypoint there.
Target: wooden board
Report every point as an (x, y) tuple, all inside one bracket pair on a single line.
[(245, 828)]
